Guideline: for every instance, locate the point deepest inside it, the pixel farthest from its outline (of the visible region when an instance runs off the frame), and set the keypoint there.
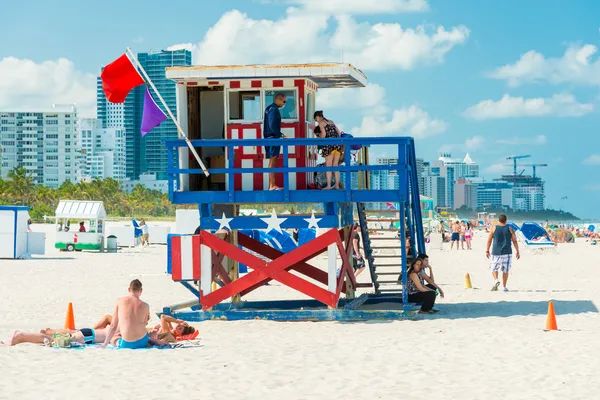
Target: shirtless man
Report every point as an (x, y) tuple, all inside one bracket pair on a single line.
[(455, 235), (130, 318)]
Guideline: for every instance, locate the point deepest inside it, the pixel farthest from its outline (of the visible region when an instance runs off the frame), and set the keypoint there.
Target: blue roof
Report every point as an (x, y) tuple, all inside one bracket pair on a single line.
[(14, 208)]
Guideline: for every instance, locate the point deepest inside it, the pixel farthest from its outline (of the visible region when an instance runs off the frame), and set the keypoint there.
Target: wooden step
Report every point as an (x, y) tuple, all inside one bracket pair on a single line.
[(389, 283), (386, 265), (387, 273), (390, 290)]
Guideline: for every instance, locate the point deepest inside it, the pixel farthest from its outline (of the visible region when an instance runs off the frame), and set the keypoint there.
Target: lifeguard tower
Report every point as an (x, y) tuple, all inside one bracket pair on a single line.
[(221, 108)]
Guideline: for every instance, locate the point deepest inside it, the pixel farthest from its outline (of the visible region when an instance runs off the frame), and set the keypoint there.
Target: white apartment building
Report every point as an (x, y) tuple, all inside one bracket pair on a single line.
[(44, 142), (528, 198), (434, 187), (103, 150), (149, 181)]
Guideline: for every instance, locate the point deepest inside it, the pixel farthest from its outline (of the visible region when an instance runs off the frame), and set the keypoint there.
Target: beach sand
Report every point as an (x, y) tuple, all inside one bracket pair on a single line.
[(481, 345)]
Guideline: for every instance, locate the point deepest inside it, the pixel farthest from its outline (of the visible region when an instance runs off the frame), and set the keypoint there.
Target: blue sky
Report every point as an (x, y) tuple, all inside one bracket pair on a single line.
[(437, 69)]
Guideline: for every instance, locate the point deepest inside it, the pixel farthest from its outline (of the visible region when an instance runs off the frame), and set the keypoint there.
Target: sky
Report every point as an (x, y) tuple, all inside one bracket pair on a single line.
[(491, 78)]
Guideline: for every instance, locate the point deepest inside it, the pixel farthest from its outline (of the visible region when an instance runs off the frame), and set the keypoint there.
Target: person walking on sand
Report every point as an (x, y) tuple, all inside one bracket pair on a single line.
[(130, 318), (501, 257)]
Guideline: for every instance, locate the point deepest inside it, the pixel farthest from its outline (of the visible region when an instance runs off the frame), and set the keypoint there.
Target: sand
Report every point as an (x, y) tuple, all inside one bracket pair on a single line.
[(482, 344)]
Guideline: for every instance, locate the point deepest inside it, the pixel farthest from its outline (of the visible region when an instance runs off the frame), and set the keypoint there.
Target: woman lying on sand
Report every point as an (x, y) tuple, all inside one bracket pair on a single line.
[(160, 335)]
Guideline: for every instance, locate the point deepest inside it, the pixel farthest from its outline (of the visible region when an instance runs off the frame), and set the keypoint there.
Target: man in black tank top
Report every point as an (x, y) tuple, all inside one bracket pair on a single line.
[(502, 236)]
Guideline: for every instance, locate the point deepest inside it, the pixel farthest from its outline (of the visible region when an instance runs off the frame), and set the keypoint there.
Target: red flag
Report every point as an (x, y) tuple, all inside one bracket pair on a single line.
[(118, 78)]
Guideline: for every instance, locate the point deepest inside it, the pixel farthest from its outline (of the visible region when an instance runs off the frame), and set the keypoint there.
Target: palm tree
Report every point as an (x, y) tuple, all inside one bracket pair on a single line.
[(21, 185)]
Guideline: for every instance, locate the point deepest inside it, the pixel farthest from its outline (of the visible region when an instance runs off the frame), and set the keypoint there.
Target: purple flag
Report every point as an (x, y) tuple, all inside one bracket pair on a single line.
[(153, 115)]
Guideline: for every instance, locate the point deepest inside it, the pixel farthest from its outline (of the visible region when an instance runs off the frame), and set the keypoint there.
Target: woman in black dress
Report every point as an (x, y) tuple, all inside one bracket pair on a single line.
[(331, 153)]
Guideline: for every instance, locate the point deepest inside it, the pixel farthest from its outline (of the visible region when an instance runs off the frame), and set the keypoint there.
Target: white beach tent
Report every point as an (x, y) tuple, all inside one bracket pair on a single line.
[(79, 209)]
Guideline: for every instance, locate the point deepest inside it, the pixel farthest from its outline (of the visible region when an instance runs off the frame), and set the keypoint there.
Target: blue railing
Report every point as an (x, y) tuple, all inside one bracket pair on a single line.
[(404, 146)]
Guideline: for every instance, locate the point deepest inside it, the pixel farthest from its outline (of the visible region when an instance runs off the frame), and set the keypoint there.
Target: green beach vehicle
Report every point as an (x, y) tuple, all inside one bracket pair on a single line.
[(80, 225)]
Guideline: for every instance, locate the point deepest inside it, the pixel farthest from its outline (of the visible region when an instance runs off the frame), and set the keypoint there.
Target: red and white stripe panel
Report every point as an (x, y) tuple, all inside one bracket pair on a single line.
[(245, 132), (260, 181), (259, 83), (254, 83), (254, 131), (185, 258)]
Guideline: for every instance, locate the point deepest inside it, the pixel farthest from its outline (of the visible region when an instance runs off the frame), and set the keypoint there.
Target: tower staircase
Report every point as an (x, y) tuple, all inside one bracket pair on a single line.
[(382, 248)]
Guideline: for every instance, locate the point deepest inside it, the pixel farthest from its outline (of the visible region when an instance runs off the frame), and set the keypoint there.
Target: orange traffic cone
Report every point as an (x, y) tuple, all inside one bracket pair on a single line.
[(70, 320), (551, 319), (468, 282)]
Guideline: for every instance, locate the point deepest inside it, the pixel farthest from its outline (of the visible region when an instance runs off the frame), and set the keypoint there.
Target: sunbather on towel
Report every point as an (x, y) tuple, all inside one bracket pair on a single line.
[(167, 333), (83, 336), (161, 334)]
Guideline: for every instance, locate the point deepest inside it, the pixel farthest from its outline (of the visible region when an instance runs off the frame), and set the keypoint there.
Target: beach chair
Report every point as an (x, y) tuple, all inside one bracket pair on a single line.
[(537, 246)]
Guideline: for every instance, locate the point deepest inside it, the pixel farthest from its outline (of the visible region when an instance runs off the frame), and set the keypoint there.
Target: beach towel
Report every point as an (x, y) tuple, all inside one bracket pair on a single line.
[(184, 344)]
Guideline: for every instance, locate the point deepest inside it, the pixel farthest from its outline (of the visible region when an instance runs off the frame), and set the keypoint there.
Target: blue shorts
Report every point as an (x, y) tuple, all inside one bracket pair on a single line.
[(89, 335), (138, 344), (272, 151)]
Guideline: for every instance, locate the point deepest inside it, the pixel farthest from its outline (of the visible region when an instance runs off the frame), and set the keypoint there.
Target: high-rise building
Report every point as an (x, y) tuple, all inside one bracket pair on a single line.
[(494, 195), (528, 198), (383, 180), (147, 154), (453, 169), (420, 171), (44, 142), (434, 187), (528, 192), (465, 193), (102, 149)]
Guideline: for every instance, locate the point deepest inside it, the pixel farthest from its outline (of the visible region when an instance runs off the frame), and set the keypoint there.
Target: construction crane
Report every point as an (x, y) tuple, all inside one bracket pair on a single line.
[(515, 158), (534, 166)]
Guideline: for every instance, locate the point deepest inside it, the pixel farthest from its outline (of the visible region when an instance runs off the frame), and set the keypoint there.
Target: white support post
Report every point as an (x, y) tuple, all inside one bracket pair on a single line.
[(206, 271), (332, 267), (182, 152)]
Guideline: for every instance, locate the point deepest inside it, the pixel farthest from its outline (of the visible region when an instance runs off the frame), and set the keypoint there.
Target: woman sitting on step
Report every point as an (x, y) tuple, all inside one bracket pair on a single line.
[(418, 291)]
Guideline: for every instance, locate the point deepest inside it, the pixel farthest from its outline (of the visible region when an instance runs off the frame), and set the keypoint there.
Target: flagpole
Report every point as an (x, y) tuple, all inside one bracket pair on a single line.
[(179, 128)]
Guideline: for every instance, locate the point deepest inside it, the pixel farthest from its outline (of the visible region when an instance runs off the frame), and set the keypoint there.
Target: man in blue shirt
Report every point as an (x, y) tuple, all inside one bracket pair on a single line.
[(271, 130)]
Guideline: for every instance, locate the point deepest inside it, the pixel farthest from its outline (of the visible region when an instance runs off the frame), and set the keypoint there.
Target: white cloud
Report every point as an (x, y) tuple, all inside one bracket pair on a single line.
[(559, 105), (578, 65), (378, 118), (594, 187), (498, 169), (353, 7), (27, 85), (469, 144), (520, 141), (594, 159), (304, 36), (411, 121), (474, 143), (370, 97)]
